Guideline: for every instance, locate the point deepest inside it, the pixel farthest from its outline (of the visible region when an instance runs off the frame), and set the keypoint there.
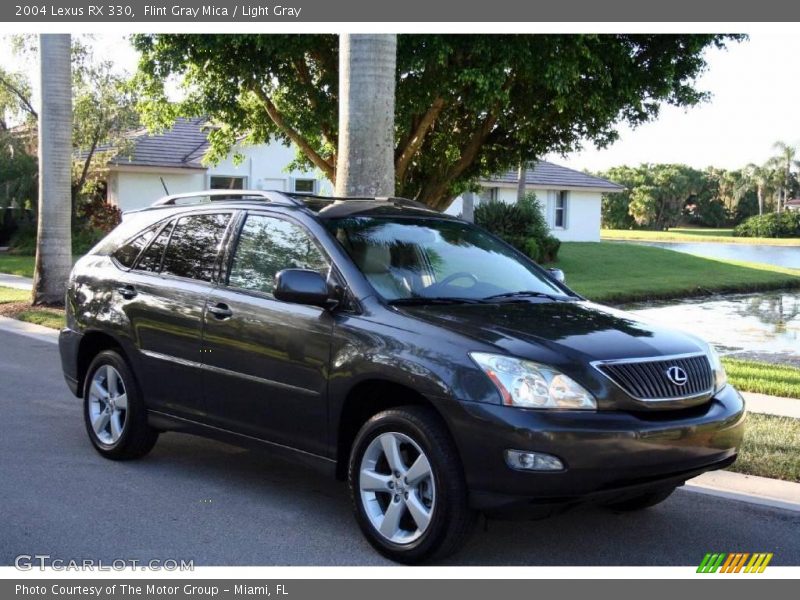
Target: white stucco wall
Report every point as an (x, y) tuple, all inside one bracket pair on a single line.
[(583, 211), (130, 190), (263, 168)]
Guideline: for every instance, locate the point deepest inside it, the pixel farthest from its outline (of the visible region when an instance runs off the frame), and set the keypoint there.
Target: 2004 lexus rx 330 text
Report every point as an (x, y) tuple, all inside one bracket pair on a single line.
[(435, 368)]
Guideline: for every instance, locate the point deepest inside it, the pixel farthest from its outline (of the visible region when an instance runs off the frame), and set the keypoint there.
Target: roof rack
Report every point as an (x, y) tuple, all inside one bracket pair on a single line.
[(228, 195)]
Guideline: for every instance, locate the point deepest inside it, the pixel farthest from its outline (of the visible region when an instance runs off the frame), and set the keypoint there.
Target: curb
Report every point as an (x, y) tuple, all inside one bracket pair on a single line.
[(31, 330), (16, 282), (772, 405), (752, 489)]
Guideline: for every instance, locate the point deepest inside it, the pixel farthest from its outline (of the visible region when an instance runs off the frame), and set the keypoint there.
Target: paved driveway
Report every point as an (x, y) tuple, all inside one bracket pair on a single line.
[(220, 505)]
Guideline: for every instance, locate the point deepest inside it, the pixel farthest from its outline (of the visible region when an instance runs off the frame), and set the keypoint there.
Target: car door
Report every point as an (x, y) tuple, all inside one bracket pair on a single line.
[(165, 297), (265, 360)]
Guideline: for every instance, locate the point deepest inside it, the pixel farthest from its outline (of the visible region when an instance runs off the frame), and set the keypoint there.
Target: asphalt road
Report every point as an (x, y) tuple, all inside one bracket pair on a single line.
[(220, 505)]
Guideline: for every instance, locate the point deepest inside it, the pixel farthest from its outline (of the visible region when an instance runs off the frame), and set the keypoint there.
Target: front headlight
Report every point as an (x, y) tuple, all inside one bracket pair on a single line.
[(528, 384), (720, 377)]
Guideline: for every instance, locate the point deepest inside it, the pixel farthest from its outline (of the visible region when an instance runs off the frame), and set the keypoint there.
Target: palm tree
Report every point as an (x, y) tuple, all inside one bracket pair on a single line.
[(365, 161), (784, 160), (54, 240), (522, 180), (763, 178)]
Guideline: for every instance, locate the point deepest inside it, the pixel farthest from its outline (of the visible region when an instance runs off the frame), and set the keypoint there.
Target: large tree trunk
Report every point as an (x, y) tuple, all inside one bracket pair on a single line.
[(365, 161), (54, 242), (522, 177)]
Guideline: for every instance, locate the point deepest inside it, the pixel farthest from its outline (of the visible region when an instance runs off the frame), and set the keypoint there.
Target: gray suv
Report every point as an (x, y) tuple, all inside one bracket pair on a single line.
[(430, 365)]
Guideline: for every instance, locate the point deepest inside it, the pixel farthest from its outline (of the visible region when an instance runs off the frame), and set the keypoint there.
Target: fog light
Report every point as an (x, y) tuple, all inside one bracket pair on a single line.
[(533, 461)]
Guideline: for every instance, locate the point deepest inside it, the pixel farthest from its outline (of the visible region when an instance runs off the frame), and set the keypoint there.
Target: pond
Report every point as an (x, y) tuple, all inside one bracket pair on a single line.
[(780, 256), (763, 326)]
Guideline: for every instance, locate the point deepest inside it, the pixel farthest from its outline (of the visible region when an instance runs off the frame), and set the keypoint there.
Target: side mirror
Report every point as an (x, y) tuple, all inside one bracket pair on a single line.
[(558, 275), (302, 286)]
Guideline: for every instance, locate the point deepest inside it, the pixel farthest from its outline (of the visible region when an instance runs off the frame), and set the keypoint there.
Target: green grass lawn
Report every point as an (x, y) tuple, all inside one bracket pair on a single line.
[(763, 378), (17, 265), (609, 272), (16, 304), (693, 234), (771, 448)]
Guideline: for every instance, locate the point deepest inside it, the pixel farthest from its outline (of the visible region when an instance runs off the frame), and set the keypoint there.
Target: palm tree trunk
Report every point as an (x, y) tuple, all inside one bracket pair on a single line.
[(522, 177), (760, 190), (54, 241), (365, 161)]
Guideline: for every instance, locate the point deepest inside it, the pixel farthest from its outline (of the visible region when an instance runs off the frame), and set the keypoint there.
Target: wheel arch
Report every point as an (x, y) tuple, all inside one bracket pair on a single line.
[(366, 399), (93, 343)]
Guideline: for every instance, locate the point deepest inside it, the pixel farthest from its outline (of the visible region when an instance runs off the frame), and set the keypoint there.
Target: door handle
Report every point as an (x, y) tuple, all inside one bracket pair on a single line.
[(220, 311), (127, 291)]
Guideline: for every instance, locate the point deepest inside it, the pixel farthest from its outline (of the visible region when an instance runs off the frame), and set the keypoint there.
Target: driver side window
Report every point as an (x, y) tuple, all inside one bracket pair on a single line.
[(267, 245)]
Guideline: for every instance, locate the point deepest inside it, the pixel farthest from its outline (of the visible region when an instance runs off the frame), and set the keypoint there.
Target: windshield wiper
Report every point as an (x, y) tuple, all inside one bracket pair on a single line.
[(422, 300), (527, 294)]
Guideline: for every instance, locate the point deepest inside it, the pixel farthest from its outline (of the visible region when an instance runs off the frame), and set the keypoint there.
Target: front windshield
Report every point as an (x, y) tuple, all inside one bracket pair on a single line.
[(425, 258)]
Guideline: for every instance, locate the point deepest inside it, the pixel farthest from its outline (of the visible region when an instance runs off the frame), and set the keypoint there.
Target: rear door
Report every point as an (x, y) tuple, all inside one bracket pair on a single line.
[(165, 297), (266, 361)]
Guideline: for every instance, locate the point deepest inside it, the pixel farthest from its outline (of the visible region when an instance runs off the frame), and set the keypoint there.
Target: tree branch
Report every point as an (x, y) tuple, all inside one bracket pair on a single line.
[(26, 105), (417, 138), (277, 118)]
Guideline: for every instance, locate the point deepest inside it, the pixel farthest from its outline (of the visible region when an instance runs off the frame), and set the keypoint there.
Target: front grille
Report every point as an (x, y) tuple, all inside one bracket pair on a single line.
[(648, 380)]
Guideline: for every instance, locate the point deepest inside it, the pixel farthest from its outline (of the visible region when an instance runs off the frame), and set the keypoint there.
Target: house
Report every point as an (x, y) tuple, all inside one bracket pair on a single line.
[(793, 204), (171, 163), (570, 199)]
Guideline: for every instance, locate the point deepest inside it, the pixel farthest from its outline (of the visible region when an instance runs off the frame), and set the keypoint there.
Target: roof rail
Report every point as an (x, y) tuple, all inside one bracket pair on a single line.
[(223, 195)]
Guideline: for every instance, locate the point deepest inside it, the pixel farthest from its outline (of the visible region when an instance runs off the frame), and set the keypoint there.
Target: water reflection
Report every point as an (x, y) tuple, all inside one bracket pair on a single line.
[(780, 256), (764, 325)]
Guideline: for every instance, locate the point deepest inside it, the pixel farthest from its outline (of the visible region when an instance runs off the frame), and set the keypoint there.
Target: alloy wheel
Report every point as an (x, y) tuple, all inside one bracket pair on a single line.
[(397, 488), (108, 405)]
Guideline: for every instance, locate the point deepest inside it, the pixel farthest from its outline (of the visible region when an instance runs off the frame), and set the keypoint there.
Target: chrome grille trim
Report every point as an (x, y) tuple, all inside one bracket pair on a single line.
[(644, 379)]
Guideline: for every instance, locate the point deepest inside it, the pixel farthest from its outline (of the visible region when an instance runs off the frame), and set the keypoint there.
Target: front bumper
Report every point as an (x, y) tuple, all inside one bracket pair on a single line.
[(607, 455)]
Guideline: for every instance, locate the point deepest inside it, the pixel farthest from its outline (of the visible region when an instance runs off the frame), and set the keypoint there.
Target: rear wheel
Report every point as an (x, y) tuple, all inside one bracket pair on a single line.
[(114, 414), (641, 502), (407, 486)]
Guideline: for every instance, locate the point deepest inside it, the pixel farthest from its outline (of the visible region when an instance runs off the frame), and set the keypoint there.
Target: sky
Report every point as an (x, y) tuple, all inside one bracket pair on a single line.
[(755, 101)]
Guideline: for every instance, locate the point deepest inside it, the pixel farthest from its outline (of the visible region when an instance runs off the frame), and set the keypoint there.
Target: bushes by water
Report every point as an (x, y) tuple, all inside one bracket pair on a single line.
[(773, 225)]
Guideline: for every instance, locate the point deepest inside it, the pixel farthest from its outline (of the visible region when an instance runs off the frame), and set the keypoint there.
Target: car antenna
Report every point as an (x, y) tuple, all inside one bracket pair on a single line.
[(164, 185)]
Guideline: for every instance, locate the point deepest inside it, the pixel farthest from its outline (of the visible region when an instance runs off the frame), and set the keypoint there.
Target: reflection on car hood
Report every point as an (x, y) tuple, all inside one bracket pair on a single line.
[(572, 330)]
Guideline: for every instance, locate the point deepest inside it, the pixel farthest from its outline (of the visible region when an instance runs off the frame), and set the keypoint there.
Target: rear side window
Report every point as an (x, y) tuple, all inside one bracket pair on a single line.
[(126, 254), (151, 258), (194, 245)]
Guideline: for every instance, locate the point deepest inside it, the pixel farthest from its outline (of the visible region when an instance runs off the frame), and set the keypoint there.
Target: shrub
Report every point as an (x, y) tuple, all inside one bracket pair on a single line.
[(774, 225), (522, 225)]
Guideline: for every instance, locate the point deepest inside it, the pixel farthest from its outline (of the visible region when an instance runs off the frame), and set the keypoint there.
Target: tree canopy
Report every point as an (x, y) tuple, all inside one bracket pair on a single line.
[(467, 106)]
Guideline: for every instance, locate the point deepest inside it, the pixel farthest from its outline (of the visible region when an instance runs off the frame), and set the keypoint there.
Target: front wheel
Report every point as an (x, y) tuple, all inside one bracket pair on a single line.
[(113, 410), (407, 486)]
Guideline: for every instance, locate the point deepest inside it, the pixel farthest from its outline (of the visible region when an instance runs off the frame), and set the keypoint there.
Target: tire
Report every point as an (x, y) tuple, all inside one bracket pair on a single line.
[(118, 430), (434, 517), (642, 501)]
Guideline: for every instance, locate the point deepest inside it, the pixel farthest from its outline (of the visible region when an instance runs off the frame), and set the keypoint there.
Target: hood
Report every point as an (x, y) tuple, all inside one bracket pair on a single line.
[(555, 332)]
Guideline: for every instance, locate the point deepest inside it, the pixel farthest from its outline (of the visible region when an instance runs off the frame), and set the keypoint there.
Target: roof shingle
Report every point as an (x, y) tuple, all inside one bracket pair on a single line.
[(547, 174)]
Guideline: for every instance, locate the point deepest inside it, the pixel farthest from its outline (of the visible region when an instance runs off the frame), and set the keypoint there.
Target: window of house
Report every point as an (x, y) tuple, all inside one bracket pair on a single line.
[(218, 182), (268, 245), (305, 186), (560, 216), (194, 245), (151, 257)]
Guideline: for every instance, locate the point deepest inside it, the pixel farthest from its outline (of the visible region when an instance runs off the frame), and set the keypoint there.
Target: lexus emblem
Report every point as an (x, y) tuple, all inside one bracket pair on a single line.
[(677, 375)]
